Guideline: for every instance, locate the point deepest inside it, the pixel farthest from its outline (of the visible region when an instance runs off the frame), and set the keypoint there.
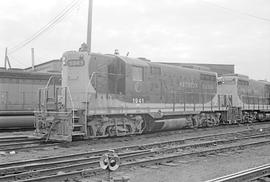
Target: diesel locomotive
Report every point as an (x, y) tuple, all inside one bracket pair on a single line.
[(105, 95)]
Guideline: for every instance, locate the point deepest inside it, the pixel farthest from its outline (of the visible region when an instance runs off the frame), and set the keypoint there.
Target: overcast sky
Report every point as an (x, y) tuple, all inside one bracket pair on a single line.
[(203, 31)]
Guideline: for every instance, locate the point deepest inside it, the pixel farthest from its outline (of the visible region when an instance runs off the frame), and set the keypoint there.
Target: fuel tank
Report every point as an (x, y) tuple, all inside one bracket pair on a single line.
[(15, 122), (16, 113), (263, 116), (170, 124)]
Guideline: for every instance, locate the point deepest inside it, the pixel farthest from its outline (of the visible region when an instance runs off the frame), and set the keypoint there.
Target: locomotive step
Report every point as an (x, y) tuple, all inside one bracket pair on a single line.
[(78, 134), (76, 117), (77, 125)]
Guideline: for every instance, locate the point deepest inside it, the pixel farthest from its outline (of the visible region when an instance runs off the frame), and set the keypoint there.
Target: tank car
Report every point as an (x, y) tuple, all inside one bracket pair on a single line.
[(18, 97)]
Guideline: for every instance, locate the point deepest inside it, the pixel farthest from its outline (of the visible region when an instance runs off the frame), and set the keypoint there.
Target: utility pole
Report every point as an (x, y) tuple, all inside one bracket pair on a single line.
[(7, 60), (33, 58), (89, 27)]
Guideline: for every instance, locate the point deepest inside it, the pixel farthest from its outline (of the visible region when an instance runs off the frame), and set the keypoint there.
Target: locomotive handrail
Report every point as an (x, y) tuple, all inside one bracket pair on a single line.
[(45, 90), (47, 85), (69, 93), (53, 112), (49, 81), (72, 104), (86, 100), (254, 96), (42, 102), (86, 92)]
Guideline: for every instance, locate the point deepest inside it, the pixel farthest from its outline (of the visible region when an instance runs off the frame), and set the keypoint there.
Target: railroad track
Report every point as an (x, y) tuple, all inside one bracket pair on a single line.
[(21, 142), (24, 142), (260, 173), (87, 164), (217, 128)]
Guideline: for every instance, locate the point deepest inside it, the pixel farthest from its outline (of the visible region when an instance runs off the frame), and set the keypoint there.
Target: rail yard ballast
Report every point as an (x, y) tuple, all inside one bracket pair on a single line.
[(112, 95)]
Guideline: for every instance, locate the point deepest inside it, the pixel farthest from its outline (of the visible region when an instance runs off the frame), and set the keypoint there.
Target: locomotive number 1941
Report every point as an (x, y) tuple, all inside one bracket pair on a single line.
[(138, 100)]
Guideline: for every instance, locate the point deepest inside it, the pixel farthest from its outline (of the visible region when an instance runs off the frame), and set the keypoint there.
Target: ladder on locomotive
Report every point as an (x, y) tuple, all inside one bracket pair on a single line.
[(53, 101), (78, 124)]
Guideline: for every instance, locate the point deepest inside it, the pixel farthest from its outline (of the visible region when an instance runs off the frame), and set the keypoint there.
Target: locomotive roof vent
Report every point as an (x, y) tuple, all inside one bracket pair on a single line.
[(196, 67), (144, 59), (264, 81), (238, 75)]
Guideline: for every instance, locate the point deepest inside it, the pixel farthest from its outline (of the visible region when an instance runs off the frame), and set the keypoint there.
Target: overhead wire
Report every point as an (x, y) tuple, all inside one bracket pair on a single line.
[(239, 12), (51, 24), (48, 26), (16, 60)]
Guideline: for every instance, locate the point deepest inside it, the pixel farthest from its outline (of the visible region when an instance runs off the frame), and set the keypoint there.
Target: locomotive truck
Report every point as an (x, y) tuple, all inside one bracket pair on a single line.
[(104, 95)]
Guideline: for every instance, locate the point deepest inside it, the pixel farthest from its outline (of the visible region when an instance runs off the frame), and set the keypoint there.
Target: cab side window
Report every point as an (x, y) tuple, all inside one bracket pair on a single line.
[(155, 71), (137, 73)]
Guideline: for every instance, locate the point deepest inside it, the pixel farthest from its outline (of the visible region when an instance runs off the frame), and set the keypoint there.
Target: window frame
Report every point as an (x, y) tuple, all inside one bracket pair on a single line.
[(155, 70), (133, 75)]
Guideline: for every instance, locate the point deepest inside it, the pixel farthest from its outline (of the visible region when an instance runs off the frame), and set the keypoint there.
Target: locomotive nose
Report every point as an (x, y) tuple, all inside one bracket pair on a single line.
[(75, 76)]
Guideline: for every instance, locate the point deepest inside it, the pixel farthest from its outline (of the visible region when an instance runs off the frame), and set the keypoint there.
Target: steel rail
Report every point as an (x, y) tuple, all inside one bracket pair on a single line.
[(216, 128), (146, 161), (17, 140), (245, 175), (40, 165), (12, 137), (100, 152), (26, 146), (14, 144), (90, 162), (131, 147), (20, 142), (85, 163), (33, 142)]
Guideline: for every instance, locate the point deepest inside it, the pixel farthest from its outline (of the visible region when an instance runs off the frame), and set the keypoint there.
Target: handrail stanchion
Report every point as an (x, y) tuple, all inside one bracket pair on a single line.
[(67, 90), (86, 101), (39, 99), (56, 99)]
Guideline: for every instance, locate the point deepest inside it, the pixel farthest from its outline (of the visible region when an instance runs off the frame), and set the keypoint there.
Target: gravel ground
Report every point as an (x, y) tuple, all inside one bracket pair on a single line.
[(93, 145), (190, 169), (200, 168)]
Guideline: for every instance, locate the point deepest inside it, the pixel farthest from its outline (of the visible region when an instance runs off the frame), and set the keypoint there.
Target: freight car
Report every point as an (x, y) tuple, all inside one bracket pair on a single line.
[(18, 97), (112, 95)]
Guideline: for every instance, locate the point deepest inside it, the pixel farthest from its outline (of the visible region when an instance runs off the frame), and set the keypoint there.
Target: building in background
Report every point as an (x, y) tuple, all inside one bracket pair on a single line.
[(53, 66), (19, 88)]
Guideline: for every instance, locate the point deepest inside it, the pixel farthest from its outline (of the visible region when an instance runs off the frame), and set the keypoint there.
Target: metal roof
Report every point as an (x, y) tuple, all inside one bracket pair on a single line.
[(20, 74)]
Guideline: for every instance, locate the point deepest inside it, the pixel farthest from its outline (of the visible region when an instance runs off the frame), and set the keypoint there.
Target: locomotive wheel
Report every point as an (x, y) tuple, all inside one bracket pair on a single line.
[(210, 122), (129, 128), (110, 131), (90, 131), (204, 123)]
